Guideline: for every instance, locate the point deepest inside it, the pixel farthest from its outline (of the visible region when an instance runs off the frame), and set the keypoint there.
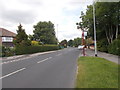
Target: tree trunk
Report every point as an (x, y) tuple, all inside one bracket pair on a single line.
[(116, 31), (111, 34), (107, 37)]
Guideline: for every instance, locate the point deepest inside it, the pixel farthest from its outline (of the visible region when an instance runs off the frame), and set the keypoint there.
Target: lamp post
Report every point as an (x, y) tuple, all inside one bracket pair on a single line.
[(95, 44), (57, 34)]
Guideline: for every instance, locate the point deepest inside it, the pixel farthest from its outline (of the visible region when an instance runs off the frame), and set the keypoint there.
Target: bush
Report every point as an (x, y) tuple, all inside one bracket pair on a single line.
[(34, 49), (102, 45), (34, 43), (0, 51), (114, 47), (6, 51)]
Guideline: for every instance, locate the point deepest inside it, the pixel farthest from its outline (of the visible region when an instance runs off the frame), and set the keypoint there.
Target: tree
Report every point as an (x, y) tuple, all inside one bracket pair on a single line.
[(107, 22), (44, 32), (21, 37), (70, 43), (63, 43), (30, 37), (77, 42), (107, 16)]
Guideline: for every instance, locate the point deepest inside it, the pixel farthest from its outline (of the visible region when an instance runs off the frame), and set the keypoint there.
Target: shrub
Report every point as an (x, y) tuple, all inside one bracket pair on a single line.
[(114, 47), (6, 51), (34, 49), (34, 43), (102, 45), (0, 51)]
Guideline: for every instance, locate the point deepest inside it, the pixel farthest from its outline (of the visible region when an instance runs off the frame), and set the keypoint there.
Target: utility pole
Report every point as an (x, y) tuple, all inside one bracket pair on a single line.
[(95, 44)]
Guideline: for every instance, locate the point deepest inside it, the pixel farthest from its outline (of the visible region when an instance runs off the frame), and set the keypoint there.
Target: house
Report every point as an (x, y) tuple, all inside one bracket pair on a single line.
[(6, 37)]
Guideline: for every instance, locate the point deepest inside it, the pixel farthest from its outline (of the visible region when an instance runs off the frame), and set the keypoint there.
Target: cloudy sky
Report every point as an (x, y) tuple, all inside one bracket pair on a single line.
[(65, 13)]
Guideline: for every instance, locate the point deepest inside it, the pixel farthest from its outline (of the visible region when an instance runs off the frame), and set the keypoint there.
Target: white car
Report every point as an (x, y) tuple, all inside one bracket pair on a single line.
[(80, 46)]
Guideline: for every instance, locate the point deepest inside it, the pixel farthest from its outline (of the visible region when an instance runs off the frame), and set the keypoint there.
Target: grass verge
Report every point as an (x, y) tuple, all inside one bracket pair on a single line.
[(95, 72)]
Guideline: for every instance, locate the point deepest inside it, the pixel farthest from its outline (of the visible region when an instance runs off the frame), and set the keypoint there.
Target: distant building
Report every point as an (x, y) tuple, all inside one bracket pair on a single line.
[(6, 37)]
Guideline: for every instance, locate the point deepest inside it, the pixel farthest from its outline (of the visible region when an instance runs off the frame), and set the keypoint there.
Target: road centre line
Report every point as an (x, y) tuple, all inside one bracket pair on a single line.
[(44, 60), (12, 73), (6, 62), (59, 54)]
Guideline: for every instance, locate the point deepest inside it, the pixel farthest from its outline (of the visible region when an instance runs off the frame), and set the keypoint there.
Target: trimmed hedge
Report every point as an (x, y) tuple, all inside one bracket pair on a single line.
[(34, 49), (114, 47), (6, 51)]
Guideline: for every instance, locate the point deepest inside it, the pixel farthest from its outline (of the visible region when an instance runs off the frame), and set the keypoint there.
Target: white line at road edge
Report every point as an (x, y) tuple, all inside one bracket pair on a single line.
[(12, 73), (44, 60)]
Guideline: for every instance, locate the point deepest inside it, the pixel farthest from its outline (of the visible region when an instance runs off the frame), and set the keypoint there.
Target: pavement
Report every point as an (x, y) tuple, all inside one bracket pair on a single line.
[(55, 69), (110, 57)]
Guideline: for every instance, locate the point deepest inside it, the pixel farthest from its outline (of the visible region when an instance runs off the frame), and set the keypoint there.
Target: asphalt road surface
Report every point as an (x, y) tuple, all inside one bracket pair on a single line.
[(51, 70)]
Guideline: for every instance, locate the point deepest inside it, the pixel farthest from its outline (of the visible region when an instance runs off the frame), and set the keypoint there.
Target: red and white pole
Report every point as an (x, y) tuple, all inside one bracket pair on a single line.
[(83, 43)]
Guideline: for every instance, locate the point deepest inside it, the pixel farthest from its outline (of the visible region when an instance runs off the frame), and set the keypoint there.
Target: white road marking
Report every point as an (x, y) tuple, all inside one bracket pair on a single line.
[(44, 60), (12, 73), (14, 60), (28, 57), (59, 54), (49, 57)]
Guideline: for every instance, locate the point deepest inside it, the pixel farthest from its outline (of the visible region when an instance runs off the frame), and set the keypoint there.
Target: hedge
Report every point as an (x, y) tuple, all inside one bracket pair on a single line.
[(34, 49), (6, 51)]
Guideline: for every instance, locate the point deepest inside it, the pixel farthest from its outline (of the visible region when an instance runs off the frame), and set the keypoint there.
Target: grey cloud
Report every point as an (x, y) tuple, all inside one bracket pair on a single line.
[(80, 1), (72, 35), (32, 3), (15, 16)]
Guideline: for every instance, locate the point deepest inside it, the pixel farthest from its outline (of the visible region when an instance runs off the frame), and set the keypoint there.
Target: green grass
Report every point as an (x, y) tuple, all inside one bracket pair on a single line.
[(95, 72)]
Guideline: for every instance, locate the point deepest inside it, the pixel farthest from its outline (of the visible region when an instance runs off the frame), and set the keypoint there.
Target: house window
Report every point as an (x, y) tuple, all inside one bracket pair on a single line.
[(7, 39)]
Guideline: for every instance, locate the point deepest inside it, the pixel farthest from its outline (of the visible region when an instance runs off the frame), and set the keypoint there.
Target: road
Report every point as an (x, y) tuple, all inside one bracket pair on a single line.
[(50, 70)]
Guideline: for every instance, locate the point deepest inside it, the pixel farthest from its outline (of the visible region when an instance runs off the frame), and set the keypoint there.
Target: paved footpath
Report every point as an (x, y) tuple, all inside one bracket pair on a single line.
[(110, 57)]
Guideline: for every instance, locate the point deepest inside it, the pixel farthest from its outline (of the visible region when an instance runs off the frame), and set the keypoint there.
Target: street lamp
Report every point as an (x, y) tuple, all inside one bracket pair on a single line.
[(95, 44), (57, 34)]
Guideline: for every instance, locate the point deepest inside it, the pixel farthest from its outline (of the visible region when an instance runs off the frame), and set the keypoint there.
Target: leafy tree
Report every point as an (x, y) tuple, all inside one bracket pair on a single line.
[(77, 41), (107, 22), (70, 43), (30, 37), (63, 43), (21, 37), (44, 32), (107, 17)]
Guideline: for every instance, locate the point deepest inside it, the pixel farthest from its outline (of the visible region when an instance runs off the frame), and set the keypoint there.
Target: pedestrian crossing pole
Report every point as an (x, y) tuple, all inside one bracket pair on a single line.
[(83, 42)]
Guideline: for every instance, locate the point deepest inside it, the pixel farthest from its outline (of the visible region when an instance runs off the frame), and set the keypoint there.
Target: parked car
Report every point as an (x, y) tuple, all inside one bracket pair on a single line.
[(80, 47)]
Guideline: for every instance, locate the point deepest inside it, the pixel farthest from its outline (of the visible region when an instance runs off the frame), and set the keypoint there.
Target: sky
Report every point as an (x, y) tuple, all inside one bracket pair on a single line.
[(64, 13)]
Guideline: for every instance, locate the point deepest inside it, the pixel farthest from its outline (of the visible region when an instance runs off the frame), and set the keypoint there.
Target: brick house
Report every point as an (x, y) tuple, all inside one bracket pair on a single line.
[(6, 37)]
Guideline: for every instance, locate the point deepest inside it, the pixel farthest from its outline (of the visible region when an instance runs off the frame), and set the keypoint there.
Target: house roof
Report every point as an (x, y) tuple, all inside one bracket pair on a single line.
[(7, 33)]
